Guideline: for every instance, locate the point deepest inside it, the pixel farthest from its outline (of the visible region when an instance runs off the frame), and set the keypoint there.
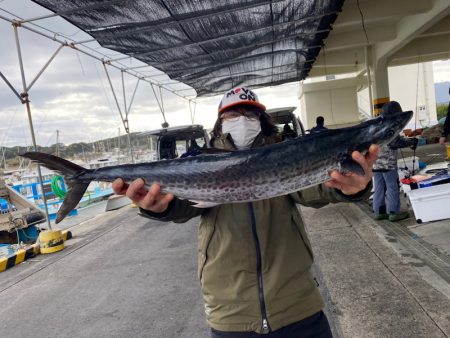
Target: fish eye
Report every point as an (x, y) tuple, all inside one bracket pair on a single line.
[(390, 133)]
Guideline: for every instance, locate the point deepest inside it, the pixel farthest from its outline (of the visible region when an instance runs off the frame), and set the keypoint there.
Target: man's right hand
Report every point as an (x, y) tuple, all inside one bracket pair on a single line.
[(442, 140), (151, 199)]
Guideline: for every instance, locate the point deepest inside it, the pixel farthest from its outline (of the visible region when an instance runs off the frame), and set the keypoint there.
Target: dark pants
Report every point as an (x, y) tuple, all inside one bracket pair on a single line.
[(315, 326)]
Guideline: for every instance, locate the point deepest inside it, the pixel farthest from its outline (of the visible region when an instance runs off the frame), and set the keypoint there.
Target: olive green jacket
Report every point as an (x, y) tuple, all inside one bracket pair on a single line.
[(254, 258)]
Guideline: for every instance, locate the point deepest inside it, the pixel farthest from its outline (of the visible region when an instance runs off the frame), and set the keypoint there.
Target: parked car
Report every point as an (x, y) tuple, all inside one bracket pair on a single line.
[(173, 142), (287, 123)]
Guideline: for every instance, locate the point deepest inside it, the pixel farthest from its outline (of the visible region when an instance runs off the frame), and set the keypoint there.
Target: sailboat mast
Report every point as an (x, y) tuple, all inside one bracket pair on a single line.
[(57, 142)]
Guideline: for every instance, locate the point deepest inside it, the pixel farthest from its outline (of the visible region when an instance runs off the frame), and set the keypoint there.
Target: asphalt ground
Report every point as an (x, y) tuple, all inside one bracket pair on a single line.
[(373, 288), (429, 153), (121, 276)]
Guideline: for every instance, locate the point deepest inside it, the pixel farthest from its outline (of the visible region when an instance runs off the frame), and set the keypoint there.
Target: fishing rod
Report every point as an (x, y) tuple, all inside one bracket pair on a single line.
[(415, 123)]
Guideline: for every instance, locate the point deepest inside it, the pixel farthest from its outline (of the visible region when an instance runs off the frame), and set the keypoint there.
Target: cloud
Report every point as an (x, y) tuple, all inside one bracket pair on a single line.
[(441, 71), (73, 94)]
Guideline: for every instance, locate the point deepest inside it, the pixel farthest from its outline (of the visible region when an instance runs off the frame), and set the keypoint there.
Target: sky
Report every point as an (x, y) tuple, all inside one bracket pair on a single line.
[(73, 94), (441, 71)]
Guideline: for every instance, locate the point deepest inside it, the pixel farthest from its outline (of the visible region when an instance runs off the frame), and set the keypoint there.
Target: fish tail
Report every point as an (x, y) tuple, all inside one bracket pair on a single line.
[(71, 173)]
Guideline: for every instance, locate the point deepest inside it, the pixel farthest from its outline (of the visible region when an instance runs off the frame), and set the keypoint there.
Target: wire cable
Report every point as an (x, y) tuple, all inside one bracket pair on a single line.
[(362, 21)]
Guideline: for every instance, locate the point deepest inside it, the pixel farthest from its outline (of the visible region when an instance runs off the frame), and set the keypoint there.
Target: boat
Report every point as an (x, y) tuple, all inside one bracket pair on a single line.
[(19, 220), (26, 184)]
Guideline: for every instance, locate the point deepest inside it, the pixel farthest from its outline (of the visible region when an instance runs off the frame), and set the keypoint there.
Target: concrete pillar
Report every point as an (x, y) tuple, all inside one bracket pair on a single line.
[(380, 87)]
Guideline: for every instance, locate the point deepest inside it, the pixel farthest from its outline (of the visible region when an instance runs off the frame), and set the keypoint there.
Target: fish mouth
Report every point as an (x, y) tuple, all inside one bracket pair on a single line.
[(402, 118), (384, 128), (396, 121)]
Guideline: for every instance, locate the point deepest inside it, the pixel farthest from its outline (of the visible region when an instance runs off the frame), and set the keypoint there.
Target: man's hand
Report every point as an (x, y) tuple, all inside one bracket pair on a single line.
[(442, 140), (150, 199), (352, 183)]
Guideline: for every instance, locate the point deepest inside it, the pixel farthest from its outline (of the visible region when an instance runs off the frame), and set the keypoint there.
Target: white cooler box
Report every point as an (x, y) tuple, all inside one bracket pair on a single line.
[(431, 203)]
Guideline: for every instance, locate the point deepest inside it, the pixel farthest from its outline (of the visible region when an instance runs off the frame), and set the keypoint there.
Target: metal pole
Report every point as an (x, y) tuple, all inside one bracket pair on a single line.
[(57, 143), (3, 158), (113, 92), (24, 95), (72, 45), (118, 146), (127, 112), (129, 146), (132, 97), (369, 79), (11, 87), (45, 67), (124, 120), (124, 95)]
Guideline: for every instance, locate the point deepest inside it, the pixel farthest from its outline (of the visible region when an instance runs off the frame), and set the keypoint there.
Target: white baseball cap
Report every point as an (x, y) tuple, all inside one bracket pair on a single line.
[(240, 95)]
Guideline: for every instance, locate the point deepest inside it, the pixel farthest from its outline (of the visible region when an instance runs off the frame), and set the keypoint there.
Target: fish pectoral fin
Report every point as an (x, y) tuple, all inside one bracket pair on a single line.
[(203, 204), (349, 165)]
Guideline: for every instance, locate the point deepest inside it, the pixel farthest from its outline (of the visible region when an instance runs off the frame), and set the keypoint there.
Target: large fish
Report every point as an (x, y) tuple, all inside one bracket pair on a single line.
[(239, 176)]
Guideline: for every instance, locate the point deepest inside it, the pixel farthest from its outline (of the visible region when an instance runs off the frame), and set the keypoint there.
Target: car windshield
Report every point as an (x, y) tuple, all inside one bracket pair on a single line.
[(183, 146)]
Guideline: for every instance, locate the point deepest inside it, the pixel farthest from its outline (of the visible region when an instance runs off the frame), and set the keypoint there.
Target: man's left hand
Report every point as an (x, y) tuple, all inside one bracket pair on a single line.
[(352, 183)]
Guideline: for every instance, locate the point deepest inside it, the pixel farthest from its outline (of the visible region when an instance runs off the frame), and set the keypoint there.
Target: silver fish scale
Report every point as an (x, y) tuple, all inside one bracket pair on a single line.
[(252, 176), (239, 176), (258, 173)]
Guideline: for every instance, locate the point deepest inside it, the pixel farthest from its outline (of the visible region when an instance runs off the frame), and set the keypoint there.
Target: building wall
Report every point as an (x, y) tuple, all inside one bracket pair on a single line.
[(335, 100), (413, 87), (345, 101)]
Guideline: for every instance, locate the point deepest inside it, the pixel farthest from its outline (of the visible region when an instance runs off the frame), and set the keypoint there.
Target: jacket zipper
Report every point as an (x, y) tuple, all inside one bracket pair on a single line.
[(265, 322)]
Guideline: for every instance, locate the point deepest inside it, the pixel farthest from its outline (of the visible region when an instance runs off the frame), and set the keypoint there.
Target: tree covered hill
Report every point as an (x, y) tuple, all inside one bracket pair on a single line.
[(75, 150)]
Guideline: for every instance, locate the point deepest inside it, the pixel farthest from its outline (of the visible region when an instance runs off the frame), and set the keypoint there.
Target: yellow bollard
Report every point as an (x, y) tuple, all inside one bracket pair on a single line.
[(51, 241), (448, 151)]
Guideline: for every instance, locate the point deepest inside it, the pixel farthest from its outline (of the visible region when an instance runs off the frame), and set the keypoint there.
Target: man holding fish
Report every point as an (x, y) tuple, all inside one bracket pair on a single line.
[(254, 253), (254, 256)]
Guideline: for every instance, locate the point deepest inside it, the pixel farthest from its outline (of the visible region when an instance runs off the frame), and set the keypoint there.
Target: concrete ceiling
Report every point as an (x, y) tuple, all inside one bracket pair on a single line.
[(398, 32)]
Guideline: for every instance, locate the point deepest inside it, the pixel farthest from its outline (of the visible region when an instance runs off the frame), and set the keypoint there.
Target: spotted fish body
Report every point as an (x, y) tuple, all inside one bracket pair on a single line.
[(240, 176)]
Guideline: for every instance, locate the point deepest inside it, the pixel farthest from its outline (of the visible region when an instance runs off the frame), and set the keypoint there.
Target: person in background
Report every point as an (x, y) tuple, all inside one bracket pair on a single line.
[(446, 130), (288, 133), (386, 197), (255, 257), (193, 149), (320, 125)]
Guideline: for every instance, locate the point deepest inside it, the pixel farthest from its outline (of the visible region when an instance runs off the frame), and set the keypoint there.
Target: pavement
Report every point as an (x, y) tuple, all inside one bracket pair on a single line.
[(120, 276), (123, 275), (372, 288)]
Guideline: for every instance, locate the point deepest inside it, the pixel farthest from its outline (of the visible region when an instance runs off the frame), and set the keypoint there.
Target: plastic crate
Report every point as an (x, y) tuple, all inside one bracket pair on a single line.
[(430, 203)]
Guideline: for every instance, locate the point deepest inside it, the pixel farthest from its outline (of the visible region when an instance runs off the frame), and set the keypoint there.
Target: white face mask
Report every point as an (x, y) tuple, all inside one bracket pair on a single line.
[(242, 130)]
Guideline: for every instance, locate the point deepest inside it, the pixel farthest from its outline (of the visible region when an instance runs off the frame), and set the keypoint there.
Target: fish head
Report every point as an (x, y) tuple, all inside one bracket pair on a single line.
[(387, 127)]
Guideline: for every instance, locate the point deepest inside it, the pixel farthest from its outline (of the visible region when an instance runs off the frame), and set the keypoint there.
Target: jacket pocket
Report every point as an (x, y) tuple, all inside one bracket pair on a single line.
[(301, 231)]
